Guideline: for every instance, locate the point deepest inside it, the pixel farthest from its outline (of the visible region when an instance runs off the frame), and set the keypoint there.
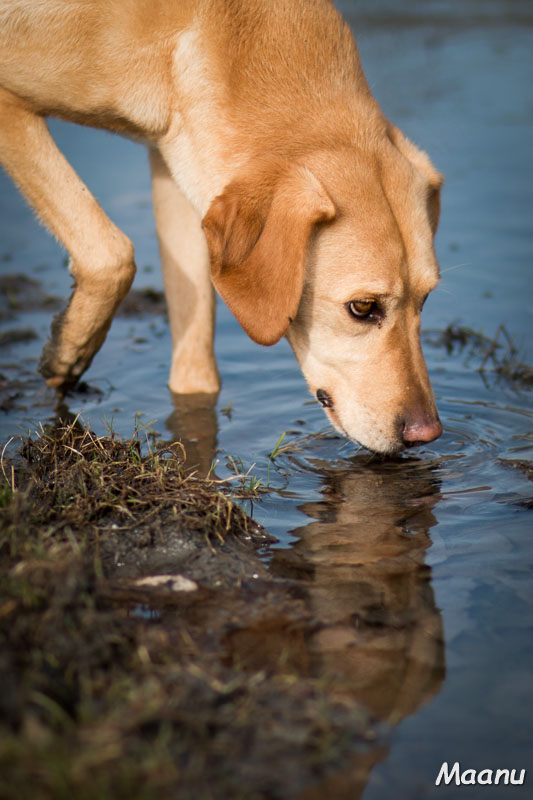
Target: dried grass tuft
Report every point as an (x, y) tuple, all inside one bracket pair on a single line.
[(83, 482)]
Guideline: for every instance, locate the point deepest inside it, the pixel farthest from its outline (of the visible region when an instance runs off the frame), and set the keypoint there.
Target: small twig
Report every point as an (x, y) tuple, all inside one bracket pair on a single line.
[(12, 483)]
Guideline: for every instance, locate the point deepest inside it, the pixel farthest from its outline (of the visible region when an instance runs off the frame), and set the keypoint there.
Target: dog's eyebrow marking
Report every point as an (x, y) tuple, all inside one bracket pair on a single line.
[(375, 294)]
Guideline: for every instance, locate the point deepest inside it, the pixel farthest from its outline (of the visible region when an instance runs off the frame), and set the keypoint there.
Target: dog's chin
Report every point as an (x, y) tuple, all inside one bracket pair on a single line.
[(381, 447)]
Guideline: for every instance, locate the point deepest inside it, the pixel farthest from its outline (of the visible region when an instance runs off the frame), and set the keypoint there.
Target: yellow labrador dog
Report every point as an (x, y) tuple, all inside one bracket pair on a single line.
[(275, 177)]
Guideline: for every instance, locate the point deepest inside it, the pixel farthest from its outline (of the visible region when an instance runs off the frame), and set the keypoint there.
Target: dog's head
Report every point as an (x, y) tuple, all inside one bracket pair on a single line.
[(336, 252)]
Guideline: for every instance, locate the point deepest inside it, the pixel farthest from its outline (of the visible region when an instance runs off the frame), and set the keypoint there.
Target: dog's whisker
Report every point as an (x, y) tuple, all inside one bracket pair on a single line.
[(456, 266)]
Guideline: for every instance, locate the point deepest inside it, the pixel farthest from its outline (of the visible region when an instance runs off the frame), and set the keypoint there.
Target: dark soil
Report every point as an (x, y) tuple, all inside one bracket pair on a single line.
[(145, 649)]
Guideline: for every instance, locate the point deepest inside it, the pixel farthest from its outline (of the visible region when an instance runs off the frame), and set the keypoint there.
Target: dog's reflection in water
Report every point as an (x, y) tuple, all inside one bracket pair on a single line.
[(362, 561), (193, 422)]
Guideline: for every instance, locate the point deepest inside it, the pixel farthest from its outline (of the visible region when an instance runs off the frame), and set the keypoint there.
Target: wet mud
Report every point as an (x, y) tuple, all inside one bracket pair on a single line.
[(138, 615)]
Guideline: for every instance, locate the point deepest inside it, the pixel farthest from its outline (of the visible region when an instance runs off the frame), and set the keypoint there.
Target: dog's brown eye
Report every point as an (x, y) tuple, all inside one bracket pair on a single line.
[(362, 309)]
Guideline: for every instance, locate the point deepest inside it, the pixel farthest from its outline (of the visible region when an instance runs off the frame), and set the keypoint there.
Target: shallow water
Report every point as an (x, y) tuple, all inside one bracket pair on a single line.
[(422, 567)]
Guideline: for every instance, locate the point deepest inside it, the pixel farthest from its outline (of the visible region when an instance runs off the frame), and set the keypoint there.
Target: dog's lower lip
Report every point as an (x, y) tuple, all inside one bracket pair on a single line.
[(391, 452)]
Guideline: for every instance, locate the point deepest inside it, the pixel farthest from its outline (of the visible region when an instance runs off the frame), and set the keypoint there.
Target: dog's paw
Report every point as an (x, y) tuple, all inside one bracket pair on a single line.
[(68, 353)]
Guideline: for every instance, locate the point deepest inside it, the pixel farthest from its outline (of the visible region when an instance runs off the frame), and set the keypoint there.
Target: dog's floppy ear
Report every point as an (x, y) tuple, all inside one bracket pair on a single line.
[(257, 235), (423, 164)]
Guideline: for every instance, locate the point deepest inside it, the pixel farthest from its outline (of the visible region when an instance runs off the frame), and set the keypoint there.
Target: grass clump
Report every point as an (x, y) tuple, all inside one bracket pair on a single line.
[(76, 481), (499, 354)]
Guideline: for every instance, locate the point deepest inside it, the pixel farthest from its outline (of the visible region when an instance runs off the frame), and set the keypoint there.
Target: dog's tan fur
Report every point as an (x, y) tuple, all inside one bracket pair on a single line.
[(275, 176)]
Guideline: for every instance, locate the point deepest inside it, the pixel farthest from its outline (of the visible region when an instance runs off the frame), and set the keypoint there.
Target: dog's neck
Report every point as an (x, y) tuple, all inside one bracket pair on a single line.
[(229, 126)]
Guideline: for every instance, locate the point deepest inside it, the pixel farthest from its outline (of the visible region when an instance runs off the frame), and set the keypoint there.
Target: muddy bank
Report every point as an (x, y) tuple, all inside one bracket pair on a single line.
[(146, 649)]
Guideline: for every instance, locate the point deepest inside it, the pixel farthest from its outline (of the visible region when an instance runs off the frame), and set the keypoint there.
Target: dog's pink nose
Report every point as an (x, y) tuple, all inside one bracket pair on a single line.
[(421, 431)]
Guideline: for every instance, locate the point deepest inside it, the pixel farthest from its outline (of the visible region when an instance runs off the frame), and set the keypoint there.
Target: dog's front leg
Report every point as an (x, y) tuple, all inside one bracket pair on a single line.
[(101, 255), (188, 288)]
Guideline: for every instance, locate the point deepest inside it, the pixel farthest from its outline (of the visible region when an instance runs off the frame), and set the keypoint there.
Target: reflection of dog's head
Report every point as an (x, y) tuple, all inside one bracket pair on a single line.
[(336, 251), (362, 562)]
